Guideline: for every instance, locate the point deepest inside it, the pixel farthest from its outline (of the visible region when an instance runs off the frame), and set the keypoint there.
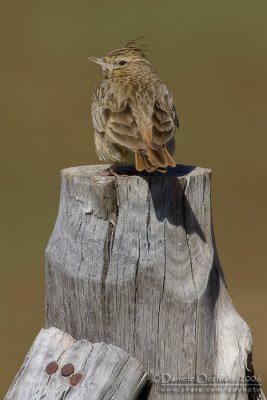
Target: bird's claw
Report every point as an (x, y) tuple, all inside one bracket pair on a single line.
[(111, 172)]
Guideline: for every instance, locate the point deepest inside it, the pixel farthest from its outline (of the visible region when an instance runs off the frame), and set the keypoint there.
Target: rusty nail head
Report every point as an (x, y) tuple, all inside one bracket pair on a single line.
[(75, 379), (67, 369), (51, 368)]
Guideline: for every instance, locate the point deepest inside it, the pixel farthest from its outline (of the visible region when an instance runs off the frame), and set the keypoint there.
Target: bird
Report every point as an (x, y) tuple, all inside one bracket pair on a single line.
[(133, 113)]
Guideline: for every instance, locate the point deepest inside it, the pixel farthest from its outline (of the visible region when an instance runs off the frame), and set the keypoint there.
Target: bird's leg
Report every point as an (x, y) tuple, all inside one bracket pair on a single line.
[(110, 171)]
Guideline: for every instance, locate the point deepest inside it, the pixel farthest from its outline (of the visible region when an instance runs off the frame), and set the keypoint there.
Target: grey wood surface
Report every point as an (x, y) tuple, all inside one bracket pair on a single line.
[(132, 261), (107, 372)]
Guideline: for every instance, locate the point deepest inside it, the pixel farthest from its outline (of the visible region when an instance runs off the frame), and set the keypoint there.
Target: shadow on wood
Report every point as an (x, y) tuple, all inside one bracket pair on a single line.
[(132, 261), (144, 395)]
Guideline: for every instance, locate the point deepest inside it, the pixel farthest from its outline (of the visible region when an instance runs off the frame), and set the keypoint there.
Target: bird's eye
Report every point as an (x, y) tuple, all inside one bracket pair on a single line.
[(122, 62)]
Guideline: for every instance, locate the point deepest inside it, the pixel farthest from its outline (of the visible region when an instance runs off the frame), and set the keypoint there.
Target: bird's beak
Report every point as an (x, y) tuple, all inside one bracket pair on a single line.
[(98, 61)]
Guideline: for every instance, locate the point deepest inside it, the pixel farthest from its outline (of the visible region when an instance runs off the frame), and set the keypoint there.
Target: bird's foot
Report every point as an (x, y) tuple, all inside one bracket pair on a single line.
[(111, 171)]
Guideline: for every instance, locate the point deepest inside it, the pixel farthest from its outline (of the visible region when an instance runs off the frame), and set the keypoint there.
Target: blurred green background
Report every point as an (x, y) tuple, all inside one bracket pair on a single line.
[(212, 55)]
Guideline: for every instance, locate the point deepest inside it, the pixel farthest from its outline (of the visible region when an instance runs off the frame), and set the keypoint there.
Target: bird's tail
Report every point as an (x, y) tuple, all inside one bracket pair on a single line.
[(154, 160)]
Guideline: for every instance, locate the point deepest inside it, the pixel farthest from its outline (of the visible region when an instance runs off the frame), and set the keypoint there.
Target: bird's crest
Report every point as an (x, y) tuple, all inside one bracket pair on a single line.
[(133, 46)]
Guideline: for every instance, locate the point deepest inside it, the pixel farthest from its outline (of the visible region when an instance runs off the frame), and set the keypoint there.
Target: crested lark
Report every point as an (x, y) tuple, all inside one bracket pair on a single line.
[(133, 114)]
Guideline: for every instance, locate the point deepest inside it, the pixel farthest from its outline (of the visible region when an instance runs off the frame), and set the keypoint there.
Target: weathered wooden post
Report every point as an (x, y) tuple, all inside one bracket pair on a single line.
[(58, 367), (132, 261)]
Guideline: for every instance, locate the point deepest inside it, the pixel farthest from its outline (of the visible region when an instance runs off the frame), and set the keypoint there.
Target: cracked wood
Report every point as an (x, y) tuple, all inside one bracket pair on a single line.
[(132, 261), (107, 372)]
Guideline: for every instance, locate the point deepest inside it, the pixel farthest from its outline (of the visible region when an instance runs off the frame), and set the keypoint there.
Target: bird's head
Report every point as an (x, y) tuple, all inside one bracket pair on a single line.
[(126, 60)]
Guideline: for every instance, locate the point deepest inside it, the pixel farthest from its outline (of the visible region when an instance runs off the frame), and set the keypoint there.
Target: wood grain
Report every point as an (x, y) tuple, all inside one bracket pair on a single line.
[(107, 371), (132, 261)]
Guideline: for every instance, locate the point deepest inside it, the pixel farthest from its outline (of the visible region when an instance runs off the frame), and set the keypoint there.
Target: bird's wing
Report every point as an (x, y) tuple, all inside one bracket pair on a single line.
[(165, 119), (115, 119), (160, 137), (100, 106)]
